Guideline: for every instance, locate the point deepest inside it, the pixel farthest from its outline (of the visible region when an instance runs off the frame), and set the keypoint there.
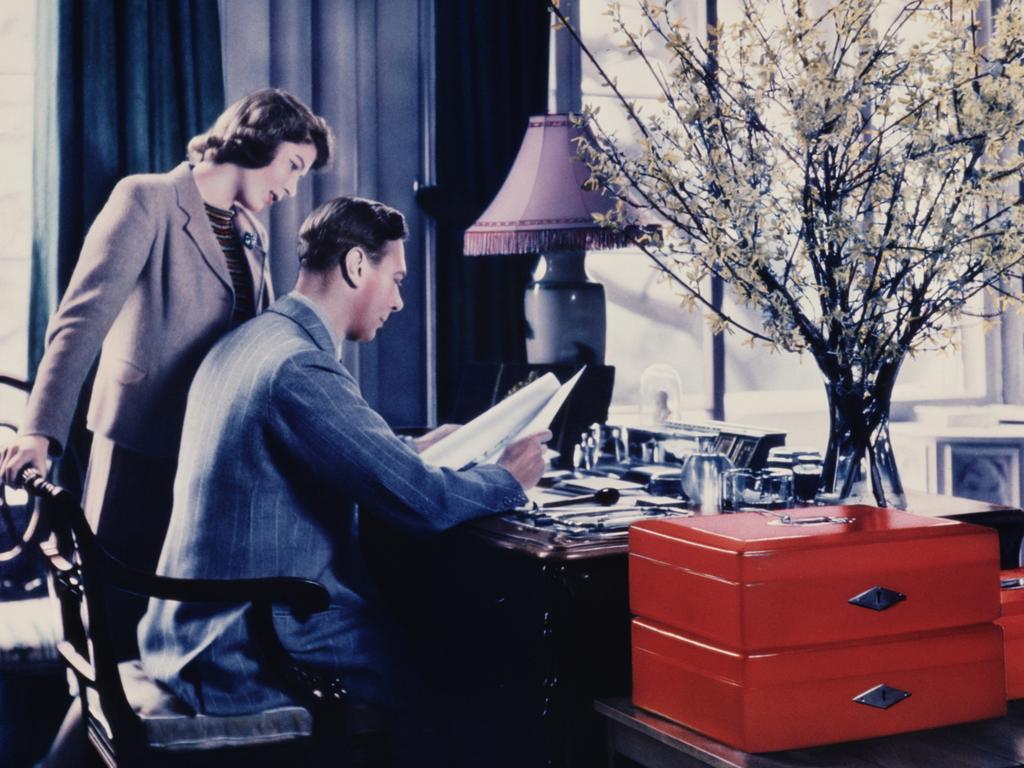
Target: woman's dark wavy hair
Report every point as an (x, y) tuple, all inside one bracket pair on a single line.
[(249, 131), (344, 223)]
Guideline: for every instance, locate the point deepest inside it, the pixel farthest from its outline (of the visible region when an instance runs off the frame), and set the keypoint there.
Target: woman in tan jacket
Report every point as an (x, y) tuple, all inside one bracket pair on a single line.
[(172, 262)]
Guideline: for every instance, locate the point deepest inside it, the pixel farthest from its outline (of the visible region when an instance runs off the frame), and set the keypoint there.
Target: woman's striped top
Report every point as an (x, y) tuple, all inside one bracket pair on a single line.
[(223, 223)]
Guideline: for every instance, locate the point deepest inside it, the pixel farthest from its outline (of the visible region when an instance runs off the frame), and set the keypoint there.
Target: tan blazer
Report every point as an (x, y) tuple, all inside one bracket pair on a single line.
[(152, 286)]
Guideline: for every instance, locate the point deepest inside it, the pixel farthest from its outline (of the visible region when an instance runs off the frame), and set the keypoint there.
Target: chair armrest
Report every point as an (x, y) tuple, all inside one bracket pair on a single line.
[(16, 383), (89, 652), (304, 596)]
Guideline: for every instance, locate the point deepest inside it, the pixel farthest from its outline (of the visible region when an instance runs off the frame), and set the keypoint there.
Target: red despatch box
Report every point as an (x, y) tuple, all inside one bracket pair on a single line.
[(1012, 622), (748, 581), (803, 697), (780, 630)]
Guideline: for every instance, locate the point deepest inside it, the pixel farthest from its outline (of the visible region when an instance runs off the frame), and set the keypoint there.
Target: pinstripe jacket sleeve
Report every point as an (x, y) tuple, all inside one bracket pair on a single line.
[(316, 410)]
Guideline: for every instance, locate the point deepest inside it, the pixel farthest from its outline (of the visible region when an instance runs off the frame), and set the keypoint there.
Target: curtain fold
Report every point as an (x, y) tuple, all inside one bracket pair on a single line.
[(492, 66), (120, 88)]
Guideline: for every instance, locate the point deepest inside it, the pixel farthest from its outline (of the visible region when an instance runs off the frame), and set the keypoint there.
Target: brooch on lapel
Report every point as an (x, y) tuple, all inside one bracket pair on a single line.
[(249, 240)]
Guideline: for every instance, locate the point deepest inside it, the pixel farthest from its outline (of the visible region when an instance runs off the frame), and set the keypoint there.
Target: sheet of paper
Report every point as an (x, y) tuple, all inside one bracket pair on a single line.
[(538, 423), (550, 410), (495, 426)]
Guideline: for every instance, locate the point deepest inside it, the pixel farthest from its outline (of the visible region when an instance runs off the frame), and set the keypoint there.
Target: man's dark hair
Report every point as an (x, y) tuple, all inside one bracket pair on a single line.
[(344, 223), (249, 131)]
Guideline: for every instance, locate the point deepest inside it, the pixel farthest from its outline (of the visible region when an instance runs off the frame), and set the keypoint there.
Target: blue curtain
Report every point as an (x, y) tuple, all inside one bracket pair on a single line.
[(121, 86)]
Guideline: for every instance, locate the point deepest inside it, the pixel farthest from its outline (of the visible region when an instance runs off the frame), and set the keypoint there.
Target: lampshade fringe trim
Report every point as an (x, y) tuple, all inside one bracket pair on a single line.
[(543, 241)]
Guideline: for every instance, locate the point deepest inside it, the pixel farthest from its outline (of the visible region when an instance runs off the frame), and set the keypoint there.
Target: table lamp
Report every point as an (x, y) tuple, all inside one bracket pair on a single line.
[(544, 208)]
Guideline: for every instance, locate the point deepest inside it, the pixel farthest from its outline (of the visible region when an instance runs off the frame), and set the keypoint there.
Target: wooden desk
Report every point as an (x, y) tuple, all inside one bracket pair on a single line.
[(522, 629), (654, 742), (1007, 521)]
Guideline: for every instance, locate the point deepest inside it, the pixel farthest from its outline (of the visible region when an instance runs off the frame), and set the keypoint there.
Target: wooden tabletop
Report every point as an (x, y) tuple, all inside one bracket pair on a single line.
[(939, 505), (658, 743)]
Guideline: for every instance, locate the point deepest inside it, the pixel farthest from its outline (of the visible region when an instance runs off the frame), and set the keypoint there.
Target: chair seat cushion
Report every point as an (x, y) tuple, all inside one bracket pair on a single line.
[(28, 632), (170, 724)]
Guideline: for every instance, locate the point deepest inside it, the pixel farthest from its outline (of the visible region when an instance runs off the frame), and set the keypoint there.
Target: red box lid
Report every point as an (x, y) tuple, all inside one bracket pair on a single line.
[(749, 581), (713, 541), (763, 531)]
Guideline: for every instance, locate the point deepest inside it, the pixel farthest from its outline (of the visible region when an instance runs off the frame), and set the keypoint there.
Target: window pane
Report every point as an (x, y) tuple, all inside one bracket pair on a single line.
[(646, 324), (632, 75), (654, 344), (16, 98), (17, 37), (647, 327)]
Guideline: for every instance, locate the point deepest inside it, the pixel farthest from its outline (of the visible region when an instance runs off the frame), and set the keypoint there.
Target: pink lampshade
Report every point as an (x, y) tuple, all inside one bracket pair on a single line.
[(542, 206)]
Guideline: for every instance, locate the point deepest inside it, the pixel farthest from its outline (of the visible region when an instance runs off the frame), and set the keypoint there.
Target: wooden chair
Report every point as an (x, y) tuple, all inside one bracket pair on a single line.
[(130, 719), (32, 680)]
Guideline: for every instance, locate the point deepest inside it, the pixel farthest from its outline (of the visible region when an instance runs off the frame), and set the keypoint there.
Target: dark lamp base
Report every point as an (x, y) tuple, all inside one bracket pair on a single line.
[(565, 313)]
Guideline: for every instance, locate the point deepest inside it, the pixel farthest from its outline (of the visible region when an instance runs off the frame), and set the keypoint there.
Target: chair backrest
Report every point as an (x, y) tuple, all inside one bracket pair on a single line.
[(75, 577), (80, 574)]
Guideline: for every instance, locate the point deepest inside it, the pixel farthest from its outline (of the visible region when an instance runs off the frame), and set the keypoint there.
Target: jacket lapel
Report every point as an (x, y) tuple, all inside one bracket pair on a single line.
[(197, 226), (254, 246)]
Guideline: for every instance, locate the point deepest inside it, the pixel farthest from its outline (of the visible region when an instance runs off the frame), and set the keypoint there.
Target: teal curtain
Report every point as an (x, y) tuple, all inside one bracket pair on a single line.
[(121, 86)]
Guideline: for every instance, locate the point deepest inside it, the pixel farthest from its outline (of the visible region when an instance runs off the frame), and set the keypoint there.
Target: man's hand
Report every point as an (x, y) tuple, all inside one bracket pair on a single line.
[(23, 451), (524, 459), (421, 443)]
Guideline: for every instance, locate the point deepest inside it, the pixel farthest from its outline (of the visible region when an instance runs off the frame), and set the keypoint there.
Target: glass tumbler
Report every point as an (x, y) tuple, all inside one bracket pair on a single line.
[(757, 489)]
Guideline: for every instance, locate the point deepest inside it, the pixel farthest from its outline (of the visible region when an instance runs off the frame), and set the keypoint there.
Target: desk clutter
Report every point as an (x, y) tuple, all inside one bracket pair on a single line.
[(595, 507), (621, 475)]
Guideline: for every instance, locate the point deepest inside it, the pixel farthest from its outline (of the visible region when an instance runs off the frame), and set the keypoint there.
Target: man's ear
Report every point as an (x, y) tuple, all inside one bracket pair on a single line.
[(355, 263)]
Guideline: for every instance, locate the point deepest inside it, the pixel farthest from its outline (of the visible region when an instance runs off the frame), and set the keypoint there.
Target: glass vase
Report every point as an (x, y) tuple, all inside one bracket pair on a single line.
[(859, 466)]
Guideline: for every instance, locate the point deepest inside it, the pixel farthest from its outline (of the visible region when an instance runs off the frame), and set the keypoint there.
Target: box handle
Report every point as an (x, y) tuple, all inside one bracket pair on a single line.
[(784, 519), (881, 696), (877, 598)]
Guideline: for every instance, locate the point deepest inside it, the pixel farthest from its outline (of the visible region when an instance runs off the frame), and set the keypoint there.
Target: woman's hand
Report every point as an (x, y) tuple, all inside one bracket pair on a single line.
[(23, 451)]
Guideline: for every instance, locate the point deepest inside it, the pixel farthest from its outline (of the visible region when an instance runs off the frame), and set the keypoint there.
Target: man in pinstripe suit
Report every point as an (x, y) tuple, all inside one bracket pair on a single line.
[(279, 452)]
